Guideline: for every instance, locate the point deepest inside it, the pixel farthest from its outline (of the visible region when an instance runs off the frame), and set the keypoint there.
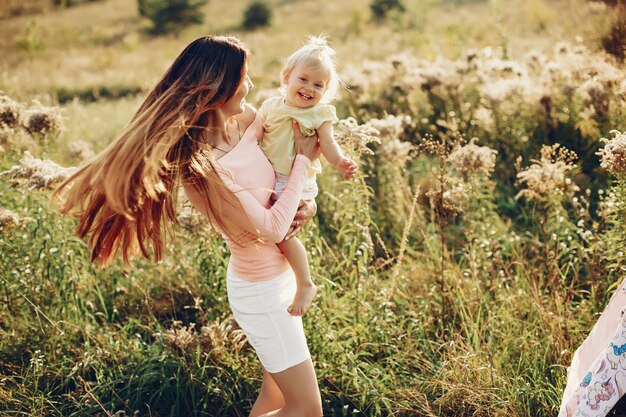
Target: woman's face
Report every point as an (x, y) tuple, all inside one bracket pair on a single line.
[(235, 104)]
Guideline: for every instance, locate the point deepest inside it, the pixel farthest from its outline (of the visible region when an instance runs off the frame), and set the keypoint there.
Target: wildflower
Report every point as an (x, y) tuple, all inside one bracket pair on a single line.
[(471, 55), (191, 219), (391, 126), (180, 337), (471, 158), (10, 113), (8, 218), (5, 134), (499, 89), (351, 135), (546, 176), (44, 121), (79, 150), (397, 151), (484, 118), (535, 59), (562, 48), (607, 204), (588, 112), (622, 89), (613, 155), (358, 80), (594, 92), (438, 73), (448, 197), (221, 336), (505, 68), (39, 174)]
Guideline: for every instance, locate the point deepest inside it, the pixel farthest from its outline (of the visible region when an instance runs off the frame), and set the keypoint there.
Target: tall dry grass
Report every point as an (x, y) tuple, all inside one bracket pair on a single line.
[(454, 277)]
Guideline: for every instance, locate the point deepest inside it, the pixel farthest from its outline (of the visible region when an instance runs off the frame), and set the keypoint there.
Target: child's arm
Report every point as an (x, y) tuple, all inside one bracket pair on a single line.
[(333, 153)]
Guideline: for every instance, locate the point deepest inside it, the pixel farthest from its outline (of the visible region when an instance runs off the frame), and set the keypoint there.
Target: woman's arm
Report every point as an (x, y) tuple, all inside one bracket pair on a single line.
[(274, 222), (269, 223)]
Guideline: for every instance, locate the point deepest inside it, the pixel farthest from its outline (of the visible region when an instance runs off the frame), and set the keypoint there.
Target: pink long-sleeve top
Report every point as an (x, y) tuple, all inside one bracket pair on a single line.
[(249, 175)]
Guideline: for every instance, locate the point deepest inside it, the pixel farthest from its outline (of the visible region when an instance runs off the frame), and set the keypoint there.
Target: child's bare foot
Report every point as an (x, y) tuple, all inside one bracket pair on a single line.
[(346, 167), (302, 300)]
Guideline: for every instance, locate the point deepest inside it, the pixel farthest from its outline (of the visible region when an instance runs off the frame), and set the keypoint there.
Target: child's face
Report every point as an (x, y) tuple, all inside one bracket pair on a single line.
[(306, 84)]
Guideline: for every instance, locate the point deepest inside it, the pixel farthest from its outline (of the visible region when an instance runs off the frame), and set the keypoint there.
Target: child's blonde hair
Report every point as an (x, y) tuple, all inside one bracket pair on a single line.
[(316, 47)]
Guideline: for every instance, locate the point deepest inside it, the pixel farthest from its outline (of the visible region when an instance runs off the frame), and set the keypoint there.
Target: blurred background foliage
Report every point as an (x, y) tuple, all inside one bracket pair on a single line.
[(457, 273)]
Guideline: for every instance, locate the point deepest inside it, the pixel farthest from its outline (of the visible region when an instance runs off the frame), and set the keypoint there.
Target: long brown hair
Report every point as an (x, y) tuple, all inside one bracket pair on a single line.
[(125, 195)]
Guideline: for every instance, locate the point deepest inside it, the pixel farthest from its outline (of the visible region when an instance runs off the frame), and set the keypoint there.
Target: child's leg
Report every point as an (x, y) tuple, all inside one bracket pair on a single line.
[(296, 255)]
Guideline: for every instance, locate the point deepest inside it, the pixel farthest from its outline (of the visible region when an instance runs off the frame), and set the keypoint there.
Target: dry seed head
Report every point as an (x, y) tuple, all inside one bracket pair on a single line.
[(621, 92), (180, 337), (613, 155), (535, 59), (391, 126), (190, 219), (11, 113), (546, 176), (435, 147), (351, 135), (448, 197), (594, 91), (562, 48), (5, 135), (607, 204), (79, 150), (588, 113), (44, 121), (220, 336), (473, 159), (38, 173), (359, 79), (396, 151), (504, 68), (501, 89), (8, 218)]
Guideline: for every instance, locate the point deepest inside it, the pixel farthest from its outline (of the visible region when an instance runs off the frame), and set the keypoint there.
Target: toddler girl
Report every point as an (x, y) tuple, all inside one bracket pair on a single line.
[(309, 82)]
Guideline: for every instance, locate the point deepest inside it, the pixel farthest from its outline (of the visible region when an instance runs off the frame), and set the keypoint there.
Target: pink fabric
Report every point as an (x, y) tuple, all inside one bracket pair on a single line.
[(250, 176), (596, 379)]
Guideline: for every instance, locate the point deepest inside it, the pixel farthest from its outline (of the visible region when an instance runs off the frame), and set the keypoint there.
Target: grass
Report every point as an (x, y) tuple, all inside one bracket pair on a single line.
[(421, 311)]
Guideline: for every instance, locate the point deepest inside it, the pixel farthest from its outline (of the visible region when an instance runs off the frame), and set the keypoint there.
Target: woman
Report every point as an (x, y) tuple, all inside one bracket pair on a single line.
[(195, 129)]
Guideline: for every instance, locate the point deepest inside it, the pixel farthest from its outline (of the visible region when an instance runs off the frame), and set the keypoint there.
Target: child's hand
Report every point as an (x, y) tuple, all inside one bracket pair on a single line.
[(346, 167)]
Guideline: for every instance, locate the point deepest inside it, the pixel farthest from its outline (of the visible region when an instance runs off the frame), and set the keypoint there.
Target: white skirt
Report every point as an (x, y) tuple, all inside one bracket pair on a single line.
[(260, 309)]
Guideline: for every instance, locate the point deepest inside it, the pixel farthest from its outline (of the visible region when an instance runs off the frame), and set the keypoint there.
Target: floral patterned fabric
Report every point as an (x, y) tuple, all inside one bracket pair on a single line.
[(596, 379)]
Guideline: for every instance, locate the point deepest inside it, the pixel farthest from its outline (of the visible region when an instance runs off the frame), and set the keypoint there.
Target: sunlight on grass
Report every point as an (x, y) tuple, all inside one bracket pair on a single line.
[(457, 273)]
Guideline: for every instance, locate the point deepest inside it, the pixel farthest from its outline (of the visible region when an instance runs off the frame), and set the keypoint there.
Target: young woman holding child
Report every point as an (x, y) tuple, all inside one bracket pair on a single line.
[(195, 130)]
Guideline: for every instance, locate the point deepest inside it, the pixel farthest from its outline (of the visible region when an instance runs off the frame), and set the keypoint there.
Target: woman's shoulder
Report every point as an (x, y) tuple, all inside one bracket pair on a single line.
[(246, 118)]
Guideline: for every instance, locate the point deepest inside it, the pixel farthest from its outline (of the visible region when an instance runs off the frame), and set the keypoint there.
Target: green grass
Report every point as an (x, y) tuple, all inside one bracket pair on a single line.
[(419, 313)]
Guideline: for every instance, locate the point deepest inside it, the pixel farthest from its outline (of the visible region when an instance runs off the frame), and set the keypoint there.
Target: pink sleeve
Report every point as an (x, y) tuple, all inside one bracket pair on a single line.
[(273, 223)]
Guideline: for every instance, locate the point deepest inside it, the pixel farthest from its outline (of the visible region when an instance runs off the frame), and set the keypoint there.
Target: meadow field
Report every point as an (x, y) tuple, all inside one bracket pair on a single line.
[(457, 273)]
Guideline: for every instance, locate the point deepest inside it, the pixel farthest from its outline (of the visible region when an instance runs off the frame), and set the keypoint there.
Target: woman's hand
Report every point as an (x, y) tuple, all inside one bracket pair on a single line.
[(308, 146), (306, 211)]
